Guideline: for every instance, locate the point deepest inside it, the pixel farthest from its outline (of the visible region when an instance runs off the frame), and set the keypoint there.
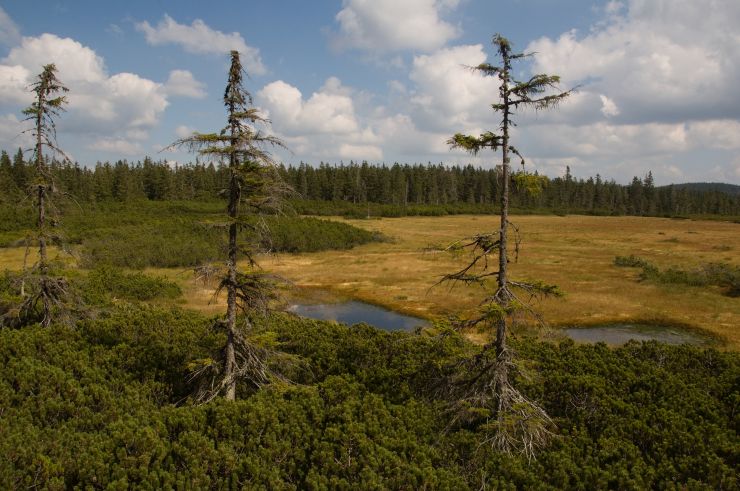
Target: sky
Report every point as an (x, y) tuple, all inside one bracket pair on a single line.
[(387, 80)]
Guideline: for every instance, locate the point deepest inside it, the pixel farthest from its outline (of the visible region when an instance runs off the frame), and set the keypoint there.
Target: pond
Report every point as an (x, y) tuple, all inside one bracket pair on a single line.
[(354, 312), (618, 334)]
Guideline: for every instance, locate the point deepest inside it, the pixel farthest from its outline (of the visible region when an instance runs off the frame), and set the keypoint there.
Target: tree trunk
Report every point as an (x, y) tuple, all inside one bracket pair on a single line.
[(502, 257), (41, 191), (502, 367), (234, 195)]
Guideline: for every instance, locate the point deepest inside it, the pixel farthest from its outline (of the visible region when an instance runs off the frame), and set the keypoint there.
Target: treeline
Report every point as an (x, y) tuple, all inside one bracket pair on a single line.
[(399, 186)]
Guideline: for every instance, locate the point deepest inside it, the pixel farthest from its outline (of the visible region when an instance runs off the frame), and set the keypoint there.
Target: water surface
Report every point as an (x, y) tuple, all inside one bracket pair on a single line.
[(618, 334), (354, 312)]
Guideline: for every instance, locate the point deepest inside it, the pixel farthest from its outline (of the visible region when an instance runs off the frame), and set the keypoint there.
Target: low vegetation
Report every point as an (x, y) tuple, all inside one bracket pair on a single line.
[(115, 283), (722, 275), (105, 405), (174, 234)]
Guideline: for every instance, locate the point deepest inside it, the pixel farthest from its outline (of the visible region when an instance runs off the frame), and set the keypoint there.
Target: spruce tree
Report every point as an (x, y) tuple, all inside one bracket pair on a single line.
[(514, 423), (254, 187), (44, 297)]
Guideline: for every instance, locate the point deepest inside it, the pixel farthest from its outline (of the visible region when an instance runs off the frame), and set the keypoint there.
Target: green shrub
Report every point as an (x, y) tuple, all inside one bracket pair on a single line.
[(104, 405), (185, 234), (305, 234), (631, 261), (129, 286), (723, 275)]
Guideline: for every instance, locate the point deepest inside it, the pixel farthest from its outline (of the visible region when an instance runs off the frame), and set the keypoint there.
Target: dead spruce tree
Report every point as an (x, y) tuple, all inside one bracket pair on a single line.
[(43, 295), (483, 388), (254, 188)]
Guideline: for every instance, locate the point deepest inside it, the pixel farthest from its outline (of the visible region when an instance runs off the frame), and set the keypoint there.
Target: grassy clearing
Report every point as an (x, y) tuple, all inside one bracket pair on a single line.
[(575, 252)]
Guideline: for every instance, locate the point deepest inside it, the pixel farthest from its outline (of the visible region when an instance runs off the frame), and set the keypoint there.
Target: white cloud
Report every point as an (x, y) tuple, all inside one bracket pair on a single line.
[(117, 146), (12, 132), (74, 62), (662, 60), (182, 83), (9, 32), (328, 111), (608, 107), (199, 38), (119, 106), (449, 95), (183, 131), (13, 84), (137, 134), (390, 25), (401, 137), (323, 126), (723, 134), (360, 152)]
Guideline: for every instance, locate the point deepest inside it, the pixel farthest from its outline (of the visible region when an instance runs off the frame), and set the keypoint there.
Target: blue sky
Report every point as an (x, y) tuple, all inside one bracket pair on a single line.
[(384, 81)]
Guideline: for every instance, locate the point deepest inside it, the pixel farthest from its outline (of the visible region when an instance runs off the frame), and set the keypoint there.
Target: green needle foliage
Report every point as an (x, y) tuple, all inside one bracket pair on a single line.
[(254, 188), (485, 392)]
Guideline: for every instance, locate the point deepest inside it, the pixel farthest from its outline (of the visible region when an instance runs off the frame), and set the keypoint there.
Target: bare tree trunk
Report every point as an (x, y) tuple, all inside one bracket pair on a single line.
[(41, 225), (41, 191), (234, 196), (501, 350), (42, 185)]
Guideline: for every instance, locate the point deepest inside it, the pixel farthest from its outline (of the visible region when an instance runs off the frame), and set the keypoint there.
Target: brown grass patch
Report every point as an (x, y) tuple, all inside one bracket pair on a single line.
[(574, 252)]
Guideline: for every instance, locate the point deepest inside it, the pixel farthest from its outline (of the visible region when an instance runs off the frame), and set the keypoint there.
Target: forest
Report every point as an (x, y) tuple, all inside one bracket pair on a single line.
[(396, 190)]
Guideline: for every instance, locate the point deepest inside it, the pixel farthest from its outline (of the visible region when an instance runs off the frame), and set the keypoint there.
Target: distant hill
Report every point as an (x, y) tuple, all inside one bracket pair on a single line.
[(731, 189)]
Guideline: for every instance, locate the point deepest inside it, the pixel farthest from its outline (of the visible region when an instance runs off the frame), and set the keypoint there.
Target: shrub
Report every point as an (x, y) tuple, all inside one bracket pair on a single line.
[(723, 275), (129, 286), (104, 406), (631, 261)]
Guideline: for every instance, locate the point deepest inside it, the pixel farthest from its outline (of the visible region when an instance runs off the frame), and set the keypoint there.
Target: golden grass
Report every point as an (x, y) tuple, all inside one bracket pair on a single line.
[(574, 252)]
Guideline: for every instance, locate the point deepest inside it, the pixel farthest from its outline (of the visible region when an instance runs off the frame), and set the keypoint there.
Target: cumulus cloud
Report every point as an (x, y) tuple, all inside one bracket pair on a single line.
[(13, 84), (447, 93), (401, 137), (74, 62), (118, 146), (360, 152), (329, 111), (182, 83), (102, 106), (13, 131), (391, 25), (662, 60), (658, 89), (608, 107), (199, 38), (324, 125)]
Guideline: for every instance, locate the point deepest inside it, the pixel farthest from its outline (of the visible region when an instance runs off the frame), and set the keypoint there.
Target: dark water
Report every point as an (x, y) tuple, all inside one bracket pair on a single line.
[(617, 334), (354, 312)]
